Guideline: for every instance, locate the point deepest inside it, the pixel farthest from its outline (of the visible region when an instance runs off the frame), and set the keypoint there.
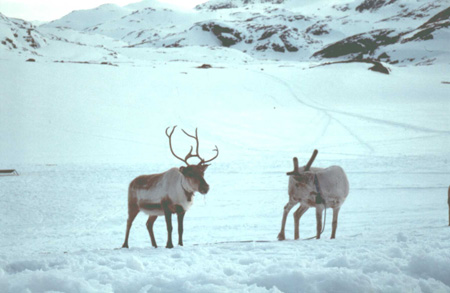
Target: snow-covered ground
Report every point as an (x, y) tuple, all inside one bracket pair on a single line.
[(79, 133)]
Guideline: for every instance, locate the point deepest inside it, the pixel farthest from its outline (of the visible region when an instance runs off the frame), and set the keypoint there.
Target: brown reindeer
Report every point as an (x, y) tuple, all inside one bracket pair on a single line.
[(167, 193)]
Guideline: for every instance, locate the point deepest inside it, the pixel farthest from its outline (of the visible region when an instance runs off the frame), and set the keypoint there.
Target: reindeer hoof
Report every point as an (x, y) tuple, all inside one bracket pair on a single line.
[(169, 245), (125, 246), (281, 236)]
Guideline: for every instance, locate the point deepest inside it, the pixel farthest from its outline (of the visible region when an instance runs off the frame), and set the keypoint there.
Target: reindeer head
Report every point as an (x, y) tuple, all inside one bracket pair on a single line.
[(304, 176), (194, 174)]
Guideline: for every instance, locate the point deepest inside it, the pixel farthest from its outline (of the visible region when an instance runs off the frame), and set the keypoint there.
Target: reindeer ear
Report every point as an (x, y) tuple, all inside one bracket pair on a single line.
[(182, 169), (205, 166)]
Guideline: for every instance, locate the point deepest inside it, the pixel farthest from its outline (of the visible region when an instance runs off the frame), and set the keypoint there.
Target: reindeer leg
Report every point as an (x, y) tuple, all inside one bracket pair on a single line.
[(287, 209), (297, 215), (180, 215), (168, 216), (151, 220), (133, 210), (319, 211), (335, 221)]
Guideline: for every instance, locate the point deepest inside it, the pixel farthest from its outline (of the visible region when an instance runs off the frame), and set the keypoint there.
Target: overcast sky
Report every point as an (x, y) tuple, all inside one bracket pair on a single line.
[(46, 10)]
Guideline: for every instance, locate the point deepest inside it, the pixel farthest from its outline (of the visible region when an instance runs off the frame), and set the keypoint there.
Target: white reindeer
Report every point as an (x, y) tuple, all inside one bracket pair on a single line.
[(315, 187), (167, 193)]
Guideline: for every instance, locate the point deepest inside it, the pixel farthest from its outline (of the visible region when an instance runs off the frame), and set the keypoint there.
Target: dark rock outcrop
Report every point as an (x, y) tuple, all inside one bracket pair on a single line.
[(441, 16), (318, 29), (373, 5), (377, 66), (360, 44), (226, 4), (226, 35), (426, 30)]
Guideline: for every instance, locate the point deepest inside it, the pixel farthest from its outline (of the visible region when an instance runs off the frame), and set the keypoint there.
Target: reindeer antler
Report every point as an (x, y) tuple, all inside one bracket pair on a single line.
[(313, 157), (190, 154), (307, 167), (197, 154), (170, 143), (295, 172), (217, 154)]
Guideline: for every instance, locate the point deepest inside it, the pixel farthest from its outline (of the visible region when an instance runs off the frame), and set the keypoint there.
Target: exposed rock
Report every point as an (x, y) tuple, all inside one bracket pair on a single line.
[(227, 4), (279, 38), (360, 44), (298, 17), (373, 5), (318, 29), (423, 35), (443, 15), (285, 37), (426, 30), (216, 7), (10, 43), (378, 67), (267, 34), (384, 56), (205, 66), (226, 35), (278, 48), (342, 8), (108, 63), (176, 44), (29, 39), (262, 47)]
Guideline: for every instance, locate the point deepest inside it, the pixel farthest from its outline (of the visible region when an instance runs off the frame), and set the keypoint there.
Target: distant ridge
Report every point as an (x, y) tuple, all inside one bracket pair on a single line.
[(392, 31)]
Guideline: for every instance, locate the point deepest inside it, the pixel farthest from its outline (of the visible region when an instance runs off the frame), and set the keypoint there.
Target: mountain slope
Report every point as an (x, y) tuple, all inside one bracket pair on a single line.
[(383, 44), (395, 31)]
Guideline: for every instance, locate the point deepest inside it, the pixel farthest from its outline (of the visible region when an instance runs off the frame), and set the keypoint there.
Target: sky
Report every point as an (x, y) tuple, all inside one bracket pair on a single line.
[(46, 10)]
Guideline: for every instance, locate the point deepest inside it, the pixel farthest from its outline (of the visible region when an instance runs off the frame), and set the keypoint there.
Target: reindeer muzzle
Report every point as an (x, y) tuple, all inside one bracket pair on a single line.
[(203, 188)]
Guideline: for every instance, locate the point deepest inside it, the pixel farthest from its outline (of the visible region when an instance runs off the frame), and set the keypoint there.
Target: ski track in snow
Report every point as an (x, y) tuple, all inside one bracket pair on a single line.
[(328, 111), (323, 110)]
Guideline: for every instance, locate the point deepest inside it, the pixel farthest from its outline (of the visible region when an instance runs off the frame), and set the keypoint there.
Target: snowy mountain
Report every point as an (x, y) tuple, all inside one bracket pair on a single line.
[(21, 38), (396, 31), (17, 34)]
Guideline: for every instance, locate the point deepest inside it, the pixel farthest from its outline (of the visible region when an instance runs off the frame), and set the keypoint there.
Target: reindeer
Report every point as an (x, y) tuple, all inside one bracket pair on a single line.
[(167, 193), (315, 187)]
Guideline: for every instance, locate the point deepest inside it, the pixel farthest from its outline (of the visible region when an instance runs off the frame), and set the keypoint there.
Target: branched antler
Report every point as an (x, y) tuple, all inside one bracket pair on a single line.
[(217, 154), (170, 143), (190, 154)]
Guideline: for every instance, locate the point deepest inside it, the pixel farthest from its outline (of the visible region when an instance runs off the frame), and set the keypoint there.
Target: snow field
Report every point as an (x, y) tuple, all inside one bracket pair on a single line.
[(78, 134), (67, 243)]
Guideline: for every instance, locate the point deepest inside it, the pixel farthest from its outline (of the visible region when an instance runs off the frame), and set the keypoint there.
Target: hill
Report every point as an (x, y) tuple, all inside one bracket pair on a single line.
[(394, 32)]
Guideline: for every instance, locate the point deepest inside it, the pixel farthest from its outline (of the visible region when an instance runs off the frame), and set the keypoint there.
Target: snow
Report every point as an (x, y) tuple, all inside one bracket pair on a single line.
[(78, 133)]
